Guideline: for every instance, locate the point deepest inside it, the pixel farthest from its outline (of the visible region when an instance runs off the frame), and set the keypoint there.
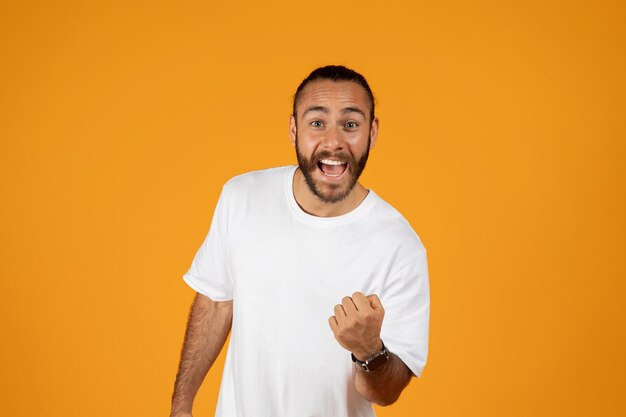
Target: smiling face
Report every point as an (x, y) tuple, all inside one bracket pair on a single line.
[(333, 135)]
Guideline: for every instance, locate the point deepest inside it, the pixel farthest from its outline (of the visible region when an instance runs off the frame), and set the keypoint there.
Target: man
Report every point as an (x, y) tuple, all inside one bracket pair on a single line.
[(290, 246)]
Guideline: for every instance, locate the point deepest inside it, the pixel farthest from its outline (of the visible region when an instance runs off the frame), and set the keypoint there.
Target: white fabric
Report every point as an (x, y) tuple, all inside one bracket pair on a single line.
[(285, 271)]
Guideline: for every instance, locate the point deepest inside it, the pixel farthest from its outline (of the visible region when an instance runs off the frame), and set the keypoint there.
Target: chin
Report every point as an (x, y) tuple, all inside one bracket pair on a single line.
[(334, 193)]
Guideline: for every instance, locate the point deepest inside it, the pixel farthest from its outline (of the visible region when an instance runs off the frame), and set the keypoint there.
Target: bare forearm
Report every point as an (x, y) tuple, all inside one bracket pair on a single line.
[(384, 385), (207, 328)]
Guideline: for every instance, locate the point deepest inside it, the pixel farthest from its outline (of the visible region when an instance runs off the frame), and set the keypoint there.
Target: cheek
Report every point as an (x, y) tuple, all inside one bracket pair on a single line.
[(307, 141), (304, 148), (357, 141)]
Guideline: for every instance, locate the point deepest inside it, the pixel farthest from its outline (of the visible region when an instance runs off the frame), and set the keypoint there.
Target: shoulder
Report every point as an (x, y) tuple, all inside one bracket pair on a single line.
[(392, 226), (252, 180), (254, 191), (256, 187)]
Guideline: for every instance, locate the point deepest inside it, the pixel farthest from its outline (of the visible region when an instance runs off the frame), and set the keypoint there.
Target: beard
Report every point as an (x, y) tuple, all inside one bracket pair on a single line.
[(332, 193)]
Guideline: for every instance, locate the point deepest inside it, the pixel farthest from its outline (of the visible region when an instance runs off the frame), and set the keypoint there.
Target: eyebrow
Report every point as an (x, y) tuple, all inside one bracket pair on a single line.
[(315, 108), (325, 110), (353, 110)]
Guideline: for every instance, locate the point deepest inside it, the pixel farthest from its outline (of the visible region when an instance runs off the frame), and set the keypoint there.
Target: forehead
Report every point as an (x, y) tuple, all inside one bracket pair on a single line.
[(333, 94)]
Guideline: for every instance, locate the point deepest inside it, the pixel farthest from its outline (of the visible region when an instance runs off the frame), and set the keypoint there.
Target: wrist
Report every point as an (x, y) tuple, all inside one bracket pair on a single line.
[(374, 361), (363, 354)]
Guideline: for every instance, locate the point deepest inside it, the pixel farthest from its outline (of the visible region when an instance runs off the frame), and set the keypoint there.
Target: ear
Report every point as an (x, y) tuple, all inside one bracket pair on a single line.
[(374, 132), (292, 130)]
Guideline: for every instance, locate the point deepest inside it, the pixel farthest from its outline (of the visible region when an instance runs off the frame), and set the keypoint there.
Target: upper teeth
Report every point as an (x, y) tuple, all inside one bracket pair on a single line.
[(330, 162)]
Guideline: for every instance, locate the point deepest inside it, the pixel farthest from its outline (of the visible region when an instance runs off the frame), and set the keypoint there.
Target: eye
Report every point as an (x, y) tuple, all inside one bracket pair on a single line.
[(316, 123), (351, 125)]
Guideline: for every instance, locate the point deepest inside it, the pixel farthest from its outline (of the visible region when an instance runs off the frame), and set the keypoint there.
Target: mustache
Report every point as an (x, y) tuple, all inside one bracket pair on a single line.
[(328, 154)]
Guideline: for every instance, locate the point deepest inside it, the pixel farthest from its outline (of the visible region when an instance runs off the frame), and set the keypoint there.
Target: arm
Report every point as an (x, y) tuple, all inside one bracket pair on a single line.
[(207, 328), (356, 325), (384, 385)]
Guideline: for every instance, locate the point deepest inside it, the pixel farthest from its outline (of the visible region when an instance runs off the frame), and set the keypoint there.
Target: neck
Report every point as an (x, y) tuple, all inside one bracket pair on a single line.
[(312, 205)]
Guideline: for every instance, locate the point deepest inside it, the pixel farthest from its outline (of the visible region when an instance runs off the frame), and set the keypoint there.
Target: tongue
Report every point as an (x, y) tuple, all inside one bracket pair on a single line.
[(333, 169)]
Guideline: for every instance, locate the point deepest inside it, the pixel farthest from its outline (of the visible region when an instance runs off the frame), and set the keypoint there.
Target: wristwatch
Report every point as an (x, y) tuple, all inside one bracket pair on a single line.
[(373, 362)]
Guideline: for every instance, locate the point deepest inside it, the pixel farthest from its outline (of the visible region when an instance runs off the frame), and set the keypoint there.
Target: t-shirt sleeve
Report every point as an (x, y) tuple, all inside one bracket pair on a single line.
[(406, 300), (209, 273)]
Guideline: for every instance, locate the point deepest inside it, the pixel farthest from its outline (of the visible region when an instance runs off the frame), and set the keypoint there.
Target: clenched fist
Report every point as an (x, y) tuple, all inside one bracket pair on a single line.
[(357, 323)]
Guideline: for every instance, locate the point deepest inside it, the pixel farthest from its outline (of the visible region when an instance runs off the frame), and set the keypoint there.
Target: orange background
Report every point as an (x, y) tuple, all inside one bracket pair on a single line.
[(502, 141)]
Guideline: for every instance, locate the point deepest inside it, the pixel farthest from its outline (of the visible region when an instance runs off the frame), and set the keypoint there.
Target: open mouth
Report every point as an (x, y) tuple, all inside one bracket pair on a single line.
[(332, 168)]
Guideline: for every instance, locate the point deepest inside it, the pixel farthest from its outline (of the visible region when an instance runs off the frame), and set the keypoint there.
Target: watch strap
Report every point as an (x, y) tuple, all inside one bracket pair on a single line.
[(373, 362)]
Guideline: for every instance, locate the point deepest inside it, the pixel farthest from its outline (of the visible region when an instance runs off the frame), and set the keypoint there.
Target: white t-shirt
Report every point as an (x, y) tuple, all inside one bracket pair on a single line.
[(285, 270)]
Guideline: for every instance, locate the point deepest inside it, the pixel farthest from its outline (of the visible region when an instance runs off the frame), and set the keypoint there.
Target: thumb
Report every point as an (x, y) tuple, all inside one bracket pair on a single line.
[(375, 303)]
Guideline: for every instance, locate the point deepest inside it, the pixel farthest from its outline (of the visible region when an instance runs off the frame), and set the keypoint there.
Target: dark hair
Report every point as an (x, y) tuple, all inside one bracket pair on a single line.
[(336, 73)]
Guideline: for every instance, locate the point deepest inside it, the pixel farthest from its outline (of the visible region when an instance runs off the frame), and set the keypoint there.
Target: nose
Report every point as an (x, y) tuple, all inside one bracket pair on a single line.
[(333, 139)]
